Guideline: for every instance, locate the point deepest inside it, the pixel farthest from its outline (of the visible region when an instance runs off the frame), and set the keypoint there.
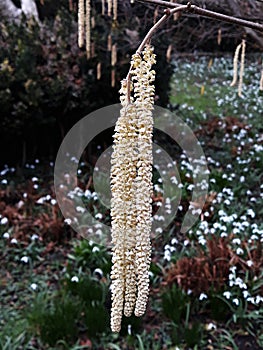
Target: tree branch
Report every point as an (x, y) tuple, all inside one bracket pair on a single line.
[(206, 13)]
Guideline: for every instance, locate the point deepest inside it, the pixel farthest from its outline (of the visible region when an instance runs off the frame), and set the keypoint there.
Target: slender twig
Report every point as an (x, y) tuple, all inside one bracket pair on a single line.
[(167, 14), (206, 13)]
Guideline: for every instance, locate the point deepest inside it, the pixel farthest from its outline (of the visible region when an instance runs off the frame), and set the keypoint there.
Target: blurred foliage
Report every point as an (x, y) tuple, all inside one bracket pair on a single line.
[(46, 82)]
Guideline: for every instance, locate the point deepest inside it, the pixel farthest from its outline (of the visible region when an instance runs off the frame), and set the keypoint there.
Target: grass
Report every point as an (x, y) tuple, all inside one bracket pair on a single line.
[(48, 273)]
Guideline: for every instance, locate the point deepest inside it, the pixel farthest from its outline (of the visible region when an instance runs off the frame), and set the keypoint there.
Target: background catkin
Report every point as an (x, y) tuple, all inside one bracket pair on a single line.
[(81, 23)]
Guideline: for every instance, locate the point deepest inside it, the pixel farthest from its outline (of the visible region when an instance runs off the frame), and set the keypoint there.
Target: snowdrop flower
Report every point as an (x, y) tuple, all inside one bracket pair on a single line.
[(68, 221), (227, 295), (80, 209), (6, 235), (202, 296), (34, 237), (4, 221), (34, 286), (239, 251), (210, 326), (98, 216), (99, 272), (249, 263), (75, 279), (95, 249), (235, 301), (25, 259), (13, 241)]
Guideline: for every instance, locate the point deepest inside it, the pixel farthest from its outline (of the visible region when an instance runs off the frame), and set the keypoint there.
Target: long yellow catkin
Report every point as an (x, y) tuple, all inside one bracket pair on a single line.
[(131, 187), (242, 68), (261, 80), (114, 54), (109, 7), (235, 65), (109, 42), (88, 29), (98, 70), (81, 23), (103, 7), (115, 10), (169, 52)]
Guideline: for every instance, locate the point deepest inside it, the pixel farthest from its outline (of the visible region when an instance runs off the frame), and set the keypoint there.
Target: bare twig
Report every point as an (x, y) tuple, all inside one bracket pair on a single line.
[(167, 14), (206, 13)]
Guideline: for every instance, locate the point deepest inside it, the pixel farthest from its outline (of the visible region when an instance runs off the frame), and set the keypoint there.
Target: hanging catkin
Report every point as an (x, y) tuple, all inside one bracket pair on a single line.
[(98, 70), (261, 80), (169, 52), (109, 43), (88, 25), (81, 23), (242, 68), (93, 22), (103, 7), (114, 54), (109, 7), (113, 78), (131, 187), (235, 65), (115, 10)]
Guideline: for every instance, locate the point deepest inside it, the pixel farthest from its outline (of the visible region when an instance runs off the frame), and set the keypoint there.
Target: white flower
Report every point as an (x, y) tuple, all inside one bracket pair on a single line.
[(34, 237), (210, 326), (249, 263), (98, 272), (34, 179), (6, 235), (227, 295), (41, 200), (202, 296), (25, 259), (75, 279), (68, 221), (239, 251), (4, 221), (95, 249), (14, 241), (98, 216), (167, 255), (80, 209), (236, 301), (53, 201), (33, 286), (251, 213)]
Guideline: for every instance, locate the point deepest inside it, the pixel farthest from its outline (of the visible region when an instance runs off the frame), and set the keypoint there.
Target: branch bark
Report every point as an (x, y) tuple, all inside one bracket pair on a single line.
[(206, 13)]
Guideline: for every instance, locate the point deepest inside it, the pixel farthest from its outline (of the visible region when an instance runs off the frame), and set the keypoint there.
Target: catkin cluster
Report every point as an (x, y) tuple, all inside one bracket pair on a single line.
[(131, 187), (241, 47)]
